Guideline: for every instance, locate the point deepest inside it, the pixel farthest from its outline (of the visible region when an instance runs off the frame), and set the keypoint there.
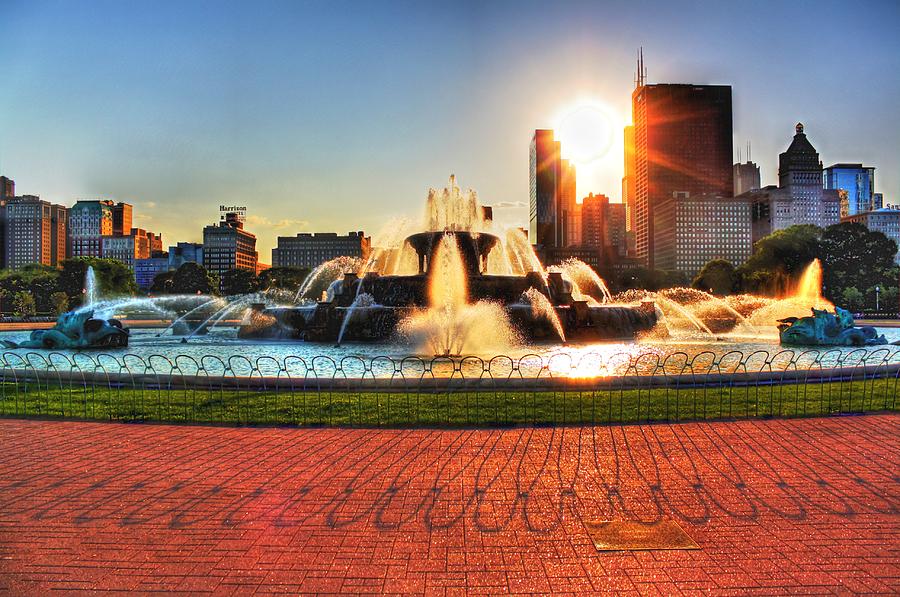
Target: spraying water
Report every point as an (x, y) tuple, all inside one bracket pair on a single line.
[(585, 281), (90, 286), (541, 308), (451, 325)]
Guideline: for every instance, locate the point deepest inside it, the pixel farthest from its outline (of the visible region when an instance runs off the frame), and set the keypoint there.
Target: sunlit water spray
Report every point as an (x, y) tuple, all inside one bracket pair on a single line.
[(451, 325)]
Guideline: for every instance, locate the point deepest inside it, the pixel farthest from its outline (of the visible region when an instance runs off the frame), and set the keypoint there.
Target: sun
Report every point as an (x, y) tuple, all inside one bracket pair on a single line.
[(585, 133)]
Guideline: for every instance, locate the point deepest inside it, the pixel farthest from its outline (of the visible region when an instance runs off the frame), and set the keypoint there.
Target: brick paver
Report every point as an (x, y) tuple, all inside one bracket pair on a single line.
[(775, 506)]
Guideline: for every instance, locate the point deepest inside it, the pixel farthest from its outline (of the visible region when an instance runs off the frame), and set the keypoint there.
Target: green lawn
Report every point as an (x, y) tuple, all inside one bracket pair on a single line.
[(401, 409)]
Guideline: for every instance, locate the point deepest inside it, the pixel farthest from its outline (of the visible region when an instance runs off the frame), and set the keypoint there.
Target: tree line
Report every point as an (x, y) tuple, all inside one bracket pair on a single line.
[(855, 262), (41, 289)]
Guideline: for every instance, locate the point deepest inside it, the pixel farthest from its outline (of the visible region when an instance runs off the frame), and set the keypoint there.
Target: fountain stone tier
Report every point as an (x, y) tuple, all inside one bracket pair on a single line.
[(474, 248), (395, 298)]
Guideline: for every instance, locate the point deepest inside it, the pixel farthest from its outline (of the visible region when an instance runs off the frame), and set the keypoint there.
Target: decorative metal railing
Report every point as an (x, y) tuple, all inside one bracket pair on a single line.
[(562, 388)]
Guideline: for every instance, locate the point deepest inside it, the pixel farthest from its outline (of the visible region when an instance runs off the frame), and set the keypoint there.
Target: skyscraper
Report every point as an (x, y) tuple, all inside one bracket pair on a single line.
[(7, 192), (570, 210), (34, 228), (746, 177), (7, 188), (628, 179), (859, 183), (800, 197), (683, 149), (552, 194), (89, 222), (228, 246), (122, 217), (544, 180), (603, 225)]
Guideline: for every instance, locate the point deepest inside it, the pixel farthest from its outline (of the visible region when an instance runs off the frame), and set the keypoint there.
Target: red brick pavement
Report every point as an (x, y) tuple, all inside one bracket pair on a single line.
[(776, 506)]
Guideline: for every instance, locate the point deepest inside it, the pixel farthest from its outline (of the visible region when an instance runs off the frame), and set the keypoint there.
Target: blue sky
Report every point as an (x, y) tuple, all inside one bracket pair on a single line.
[(337, 115)]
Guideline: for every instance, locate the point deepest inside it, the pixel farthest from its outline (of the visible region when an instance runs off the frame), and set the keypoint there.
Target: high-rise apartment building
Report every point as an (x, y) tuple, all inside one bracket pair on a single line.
[(683, 149), (570, 210), (857, 181), (89, 222), (311, 249), (7, 188), (228, 246), (129, 247), (746, 177), (7, 192), (35, 233), (603, 225), (707, 227), (122, 219)]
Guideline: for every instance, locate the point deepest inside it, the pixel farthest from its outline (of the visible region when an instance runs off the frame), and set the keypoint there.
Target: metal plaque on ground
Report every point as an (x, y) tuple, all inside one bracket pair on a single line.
[(629, 535)]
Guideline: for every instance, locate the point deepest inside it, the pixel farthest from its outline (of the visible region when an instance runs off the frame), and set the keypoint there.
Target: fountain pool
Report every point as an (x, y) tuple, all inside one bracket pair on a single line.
[(455, 295)]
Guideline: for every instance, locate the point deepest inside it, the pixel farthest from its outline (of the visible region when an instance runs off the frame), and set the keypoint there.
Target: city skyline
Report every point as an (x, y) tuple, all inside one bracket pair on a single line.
[(211, 121)]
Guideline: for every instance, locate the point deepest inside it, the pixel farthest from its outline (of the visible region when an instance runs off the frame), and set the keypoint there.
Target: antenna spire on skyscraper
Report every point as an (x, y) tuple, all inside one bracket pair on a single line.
[(641, 70)]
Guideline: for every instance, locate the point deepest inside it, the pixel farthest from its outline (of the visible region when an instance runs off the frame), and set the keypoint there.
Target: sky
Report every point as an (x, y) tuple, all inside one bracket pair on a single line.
[(338, 116)]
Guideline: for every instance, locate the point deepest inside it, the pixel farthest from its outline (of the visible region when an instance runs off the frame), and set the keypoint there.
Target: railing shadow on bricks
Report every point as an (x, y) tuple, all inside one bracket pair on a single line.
[(503, 390)]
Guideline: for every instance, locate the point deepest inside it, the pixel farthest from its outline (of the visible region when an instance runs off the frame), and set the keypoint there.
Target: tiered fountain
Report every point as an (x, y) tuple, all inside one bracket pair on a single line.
[(469, 289)]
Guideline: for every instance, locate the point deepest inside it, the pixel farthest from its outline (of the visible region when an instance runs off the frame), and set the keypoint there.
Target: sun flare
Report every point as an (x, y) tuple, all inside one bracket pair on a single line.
[(585, 132)]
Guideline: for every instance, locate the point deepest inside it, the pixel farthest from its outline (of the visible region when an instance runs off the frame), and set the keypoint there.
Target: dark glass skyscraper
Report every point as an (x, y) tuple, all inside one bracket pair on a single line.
[(545, 166), (682, 149), (553, 216)]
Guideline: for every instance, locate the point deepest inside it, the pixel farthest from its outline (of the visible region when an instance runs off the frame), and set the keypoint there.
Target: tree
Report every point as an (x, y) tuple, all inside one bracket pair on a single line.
[(852, 299), (60, 302), (162, 282), (283, 278), (854, 256), (192, 278), (23, 304), (239, 281), (717, 277), (113, 277), (780, 257)]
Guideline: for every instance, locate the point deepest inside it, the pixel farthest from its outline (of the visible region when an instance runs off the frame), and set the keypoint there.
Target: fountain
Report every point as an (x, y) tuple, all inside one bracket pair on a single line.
[(457, 286), (90, 286), (79, 328)]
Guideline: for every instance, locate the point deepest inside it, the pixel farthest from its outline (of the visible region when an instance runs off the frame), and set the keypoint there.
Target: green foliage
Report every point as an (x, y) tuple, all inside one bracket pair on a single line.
[(114, 278), (855, 257), (780, 257), (239, 281), (436, 409), (888, 299), (162, 283), (717, 277), (60, 302), (23, 304), (193, 278), (851, 299), (284, 278)]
